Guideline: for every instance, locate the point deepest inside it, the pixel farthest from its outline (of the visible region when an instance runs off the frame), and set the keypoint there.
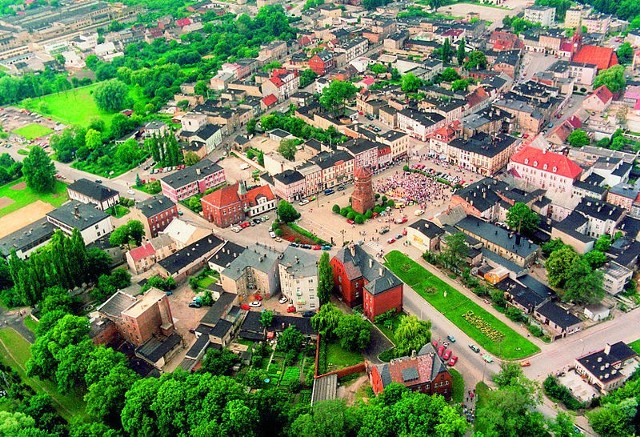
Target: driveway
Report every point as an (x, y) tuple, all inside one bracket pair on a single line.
[(378, 344)]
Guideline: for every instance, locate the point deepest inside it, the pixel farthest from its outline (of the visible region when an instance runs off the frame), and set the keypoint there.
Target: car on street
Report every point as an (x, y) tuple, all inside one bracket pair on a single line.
[(195, 305), (283, 299), (525, 363), (341, 188), (308, 313), (474, 348), (236, 229), (244, 166), (329, 191), (451, 338), (441, 350), (272, 234), (291, 309), (256, 221), (245, 225), (255, 304), (399, 236), (303, 202), (350, 221), (98, 181), (487, 358), (258, 297), (453, 360), (130, 192), (419, 212), (446, 355), (245, 307), (391, 240), (316, 247)]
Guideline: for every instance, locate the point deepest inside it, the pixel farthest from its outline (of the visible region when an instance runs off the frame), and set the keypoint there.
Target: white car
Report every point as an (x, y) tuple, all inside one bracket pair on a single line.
[(283, 299), (255, 303), (303, 202), (130, 192), (419, 212), (272, 234), (244, 166), (236, 229)]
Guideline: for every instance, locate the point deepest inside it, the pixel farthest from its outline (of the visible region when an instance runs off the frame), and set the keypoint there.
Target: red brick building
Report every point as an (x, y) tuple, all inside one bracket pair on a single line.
[(234, 203), (361, 280), (362, 198), (155, 214), (423, 372), (322, 62)]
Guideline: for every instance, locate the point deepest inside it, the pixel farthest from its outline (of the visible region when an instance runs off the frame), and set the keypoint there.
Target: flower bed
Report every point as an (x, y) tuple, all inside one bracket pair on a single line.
[(483, 326)]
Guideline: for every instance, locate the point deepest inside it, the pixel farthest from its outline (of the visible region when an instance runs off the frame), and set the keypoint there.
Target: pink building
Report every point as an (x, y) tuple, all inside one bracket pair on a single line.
[(289, 185), (192, 180), (547, 170)]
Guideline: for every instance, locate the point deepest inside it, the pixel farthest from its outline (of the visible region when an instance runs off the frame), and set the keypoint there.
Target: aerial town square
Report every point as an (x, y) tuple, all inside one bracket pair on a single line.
[(316, 218)]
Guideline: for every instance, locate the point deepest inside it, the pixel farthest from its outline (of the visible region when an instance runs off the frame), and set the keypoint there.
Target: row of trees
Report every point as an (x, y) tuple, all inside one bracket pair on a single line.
[(64, 262), (350, 330), (10, 169), (164, 149)]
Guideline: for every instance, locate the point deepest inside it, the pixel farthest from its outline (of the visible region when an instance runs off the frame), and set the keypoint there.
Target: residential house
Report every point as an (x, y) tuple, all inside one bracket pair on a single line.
[(615, 278), (204, 140), (607, 368), (559, 321), (482, 153), (189, 259), (144, 257), (184, 233), (192, 180), (298, 271), (424, 235), (362, 280), (322, 62), (254, 271), (544, 169), (364, 152), (90, 221), (86, 191), (419, 124), (282, 84), (424, 372), (599, 100), (544, 15), (222, 258), (289, 185), (233, 203), (155, 214), (155, 129)]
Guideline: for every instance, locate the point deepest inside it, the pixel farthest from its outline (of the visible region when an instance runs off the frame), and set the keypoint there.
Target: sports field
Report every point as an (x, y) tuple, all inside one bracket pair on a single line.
[(32, 131), (16, 195)]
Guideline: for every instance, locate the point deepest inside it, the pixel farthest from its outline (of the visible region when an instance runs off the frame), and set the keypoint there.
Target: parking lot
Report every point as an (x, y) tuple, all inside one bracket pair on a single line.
[(13, 118)]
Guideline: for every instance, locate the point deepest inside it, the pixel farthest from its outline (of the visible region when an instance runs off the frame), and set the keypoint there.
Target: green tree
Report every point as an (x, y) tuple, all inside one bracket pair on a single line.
[(353, 332), (411, 334), (583, 285), (266, 318), (93, 139), (449, 75), (191, 158), (39, 172), (446, 51), (578, 138), (625, 53), (325, 279), (613, 420), (613, 78), (461, 53), (477, 60), (307, 77), (595, 258), (290, 340), (456, 249), (286, 212), (73, 361), (219, 361), (111, 95), (101, 360), (137, 417), (378, 69), (559, 264), (459, 85), (288, 148), (552, 246), (521, 219), (563, 426), (410, 83), (129, 152), (335, 97), (510, 374), (326, 320), (106, 398), (603, 243)]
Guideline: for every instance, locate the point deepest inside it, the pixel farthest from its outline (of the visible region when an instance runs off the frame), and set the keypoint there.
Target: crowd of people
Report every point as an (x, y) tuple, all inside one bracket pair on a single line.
[(412, 187)]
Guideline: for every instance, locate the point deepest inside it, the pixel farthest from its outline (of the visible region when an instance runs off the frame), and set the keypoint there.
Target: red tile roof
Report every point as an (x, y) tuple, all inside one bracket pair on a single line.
[(575, 121), (538, 158), (277, 81), (254, 193), (603, 94), (270, 100), (603, 57), (183, 22), (223, 197), (144, 251), (403, 370)]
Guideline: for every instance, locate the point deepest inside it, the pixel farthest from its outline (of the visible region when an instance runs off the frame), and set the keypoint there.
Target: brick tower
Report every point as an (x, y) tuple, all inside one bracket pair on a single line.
[(362, 198)]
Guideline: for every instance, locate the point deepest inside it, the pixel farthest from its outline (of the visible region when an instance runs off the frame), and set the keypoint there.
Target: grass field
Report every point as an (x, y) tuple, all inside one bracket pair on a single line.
[(635, 346), (338, 358), (32, 131), (458, 386), (31, 324), (455, 305), (75, 106), (14, 352), (24, 197)]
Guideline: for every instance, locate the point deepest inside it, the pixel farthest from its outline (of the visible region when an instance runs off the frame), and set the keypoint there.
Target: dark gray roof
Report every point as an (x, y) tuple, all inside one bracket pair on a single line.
[(221, 329), (520, 294), (600, 363), (155, 205), (326, 160), (92, 189), (282, 322), (251, 328), (226, 254), (361, 264), (324, 388), (557, 315), (207, 131), (198, 347), (536, 286), (599, 210), (427, 228), (218, 309), (360, 145), (28, 237), (190, 174), (497, 236), (156, 348), (116, 304), (182, 258), (78, 215), (484, 144), (288, 177), (571, 223)]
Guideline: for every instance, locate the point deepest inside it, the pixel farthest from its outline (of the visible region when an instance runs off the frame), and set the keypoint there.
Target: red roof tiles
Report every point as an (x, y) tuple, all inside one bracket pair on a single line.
[(603, 57), (547, 161), (142, 252), (603, 94), (270, 100)]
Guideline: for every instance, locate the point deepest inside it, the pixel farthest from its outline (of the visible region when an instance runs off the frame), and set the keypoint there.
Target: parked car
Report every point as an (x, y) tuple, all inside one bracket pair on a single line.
[(303, 202), (453, 360), (329, 191), (245, 307), (487, 358), (283, 299), (278, 239), (399, 236), (474, 348), (446, 355), (272, 234), (316, 247), (350, 221), (451, 338), (258, 296), (326, 247), (291, 309), (245, 225), (98, 181), (341, 188), (255, 304), (195, 305), (419, 212), (236, 229), (440, 350), (391, 240), (309, 313), (525, 363)]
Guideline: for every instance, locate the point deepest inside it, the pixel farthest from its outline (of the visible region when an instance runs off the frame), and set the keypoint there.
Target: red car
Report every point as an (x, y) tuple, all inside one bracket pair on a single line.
[(350, 221), (245, 225), (446, 355), (291, 309), (258, 296), (391, 240), (453, 360), (440, 351), (435, 343), (245, 307), (317, 247)]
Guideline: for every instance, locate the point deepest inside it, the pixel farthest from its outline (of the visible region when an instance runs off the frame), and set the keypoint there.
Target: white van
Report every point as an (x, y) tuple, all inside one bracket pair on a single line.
[(244, 166)]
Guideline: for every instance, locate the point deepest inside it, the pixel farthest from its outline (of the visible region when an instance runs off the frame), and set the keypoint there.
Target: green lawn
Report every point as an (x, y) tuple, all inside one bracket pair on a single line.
[(27, 196), (75, 106), (482, 390), (31, 324), (14, 352), (458, 386), (635, 346), (117, 211), (455, 305), (338, 358), (32, 131)]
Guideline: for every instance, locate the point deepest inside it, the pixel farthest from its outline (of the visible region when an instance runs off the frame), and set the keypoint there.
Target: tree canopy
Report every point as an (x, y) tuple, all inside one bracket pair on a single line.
[(325, 279), (613, 78), (578, 138), (411, 334), (39, 172), (334, 98), (286, 212), (111, 95), (521, 219)]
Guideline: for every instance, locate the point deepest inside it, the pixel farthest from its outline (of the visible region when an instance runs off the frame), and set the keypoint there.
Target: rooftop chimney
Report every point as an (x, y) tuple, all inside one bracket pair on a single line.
[(76, 213), (381, 271), (607, 349), (370, 263)]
